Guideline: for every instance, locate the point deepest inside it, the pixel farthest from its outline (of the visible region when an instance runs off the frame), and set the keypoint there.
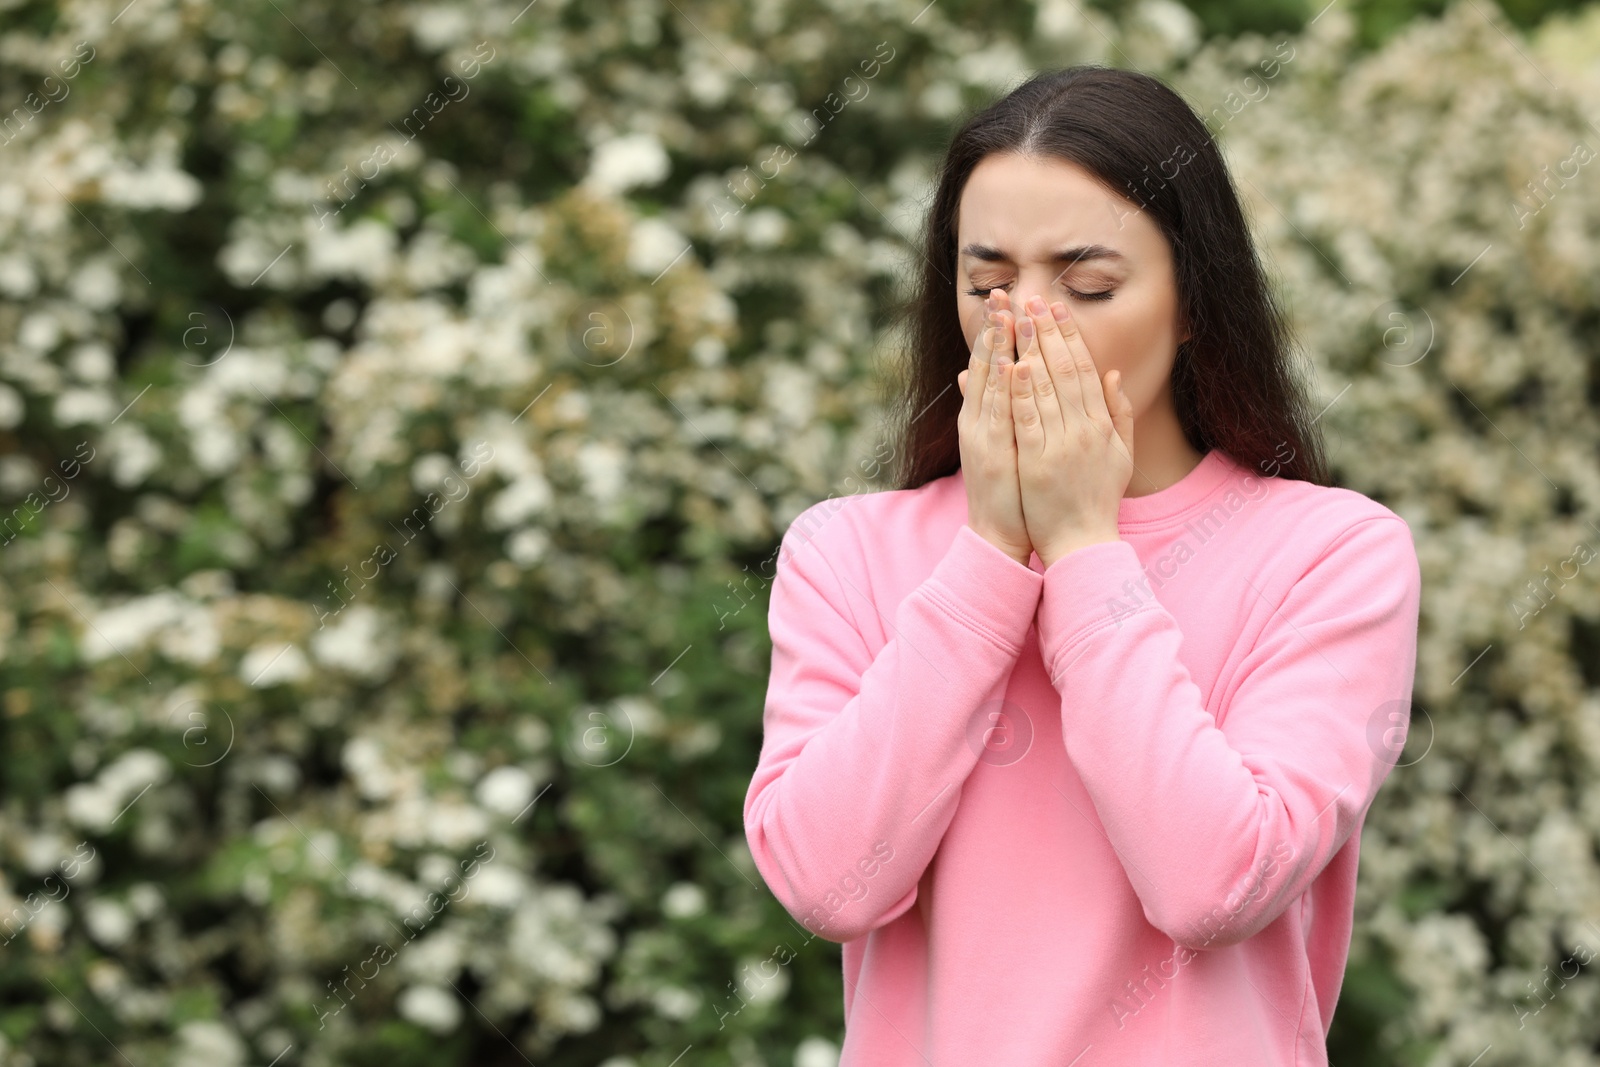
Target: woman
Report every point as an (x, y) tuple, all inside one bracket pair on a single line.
[(1070, 738)]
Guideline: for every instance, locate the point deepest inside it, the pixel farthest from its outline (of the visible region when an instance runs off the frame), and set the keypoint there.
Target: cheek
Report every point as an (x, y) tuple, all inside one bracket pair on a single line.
[(970, 310), (1128, 340)]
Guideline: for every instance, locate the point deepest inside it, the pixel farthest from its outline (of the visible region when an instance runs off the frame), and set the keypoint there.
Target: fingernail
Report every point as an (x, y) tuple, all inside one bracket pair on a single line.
[(1059, 310), (1036, 305), (1025, 328)]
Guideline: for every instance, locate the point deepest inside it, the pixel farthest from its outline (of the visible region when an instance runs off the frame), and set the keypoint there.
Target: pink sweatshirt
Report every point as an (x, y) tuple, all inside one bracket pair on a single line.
[(1102, 814)]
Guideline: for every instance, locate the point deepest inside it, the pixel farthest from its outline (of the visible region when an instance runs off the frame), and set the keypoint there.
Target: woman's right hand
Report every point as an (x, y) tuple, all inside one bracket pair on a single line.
[(988, 441)]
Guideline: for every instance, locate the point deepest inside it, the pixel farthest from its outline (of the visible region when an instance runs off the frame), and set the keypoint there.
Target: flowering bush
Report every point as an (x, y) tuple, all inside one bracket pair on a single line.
[(399, 407)]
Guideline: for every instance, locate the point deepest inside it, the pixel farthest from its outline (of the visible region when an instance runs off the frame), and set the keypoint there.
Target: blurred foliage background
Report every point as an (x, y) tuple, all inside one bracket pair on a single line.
[(400, 405)]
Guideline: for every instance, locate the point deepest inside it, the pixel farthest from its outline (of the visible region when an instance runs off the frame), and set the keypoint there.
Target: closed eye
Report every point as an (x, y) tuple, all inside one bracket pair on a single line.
[(1103, 295)]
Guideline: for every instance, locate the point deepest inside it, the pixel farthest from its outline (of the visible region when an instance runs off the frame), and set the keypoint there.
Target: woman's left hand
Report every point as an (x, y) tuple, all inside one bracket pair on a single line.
[(1074, 435)]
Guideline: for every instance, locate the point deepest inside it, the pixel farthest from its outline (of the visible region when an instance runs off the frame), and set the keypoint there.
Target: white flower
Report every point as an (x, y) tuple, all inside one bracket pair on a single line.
[(134, 770), (145, 899), (17, 276), (75, 406), (654, 245), (816, 1052), (790, 391), (499, 886), (356, 645), (557, 936), (683, 900), (123, 628), (11, 407), (363, 759), (39, 331), (92, 362), (96, 285), (98, 804), (193, 637), (428, 471), (1175, 24), (627, 161), (765, 227), (675, 1002), (434, 958), (272, 664), (506, 790), (204, 1043), (431, 1007), (708, 86), (603, 466), (527, 546), (438, 27), (575, 1012), (170, 189), (134, 456), (757, 987), (517, 502), (453, 824), (91, 806), (108, 922), (363, 251)]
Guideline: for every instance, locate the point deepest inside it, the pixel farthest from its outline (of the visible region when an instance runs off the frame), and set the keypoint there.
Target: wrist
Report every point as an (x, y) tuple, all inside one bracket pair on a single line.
[(1019, 553), (1065, 546)]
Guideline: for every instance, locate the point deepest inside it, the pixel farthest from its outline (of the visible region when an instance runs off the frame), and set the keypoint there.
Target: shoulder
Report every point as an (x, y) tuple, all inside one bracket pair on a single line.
[(854, 531), (1320, 526)]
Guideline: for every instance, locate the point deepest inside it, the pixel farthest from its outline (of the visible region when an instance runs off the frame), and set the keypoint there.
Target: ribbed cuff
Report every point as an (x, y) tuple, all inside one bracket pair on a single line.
[(987, 590), (1090, 589)]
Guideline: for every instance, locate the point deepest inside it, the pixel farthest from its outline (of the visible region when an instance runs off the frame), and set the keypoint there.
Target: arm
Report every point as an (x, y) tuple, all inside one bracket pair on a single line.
[(1221, 829), (863, 757)]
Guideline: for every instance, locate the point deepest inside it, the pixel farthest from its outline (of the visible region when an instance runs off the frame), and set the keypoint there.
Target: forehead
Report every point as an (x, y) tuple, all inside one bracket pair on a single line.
[(1029, 208)]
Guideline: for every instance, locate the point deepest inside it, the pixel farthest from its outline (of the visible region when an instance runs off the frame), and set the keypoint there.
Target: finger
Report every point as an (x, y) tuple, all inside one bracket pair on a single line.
[(996, 382), (1006, 354), (1091, 391), (988, 383), (1121, 409), (983, 341), (1002, 302), (1046, 397), (1025, 415), (982, 359), (1002, 437), (1050, 351), (1056, 359), (997, 401)]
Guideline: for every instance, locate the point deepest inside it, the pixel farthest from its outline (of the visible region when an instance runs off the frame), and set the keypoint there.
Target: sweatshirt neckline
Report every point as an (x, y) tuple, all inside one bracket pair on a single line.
[(1175, 500)]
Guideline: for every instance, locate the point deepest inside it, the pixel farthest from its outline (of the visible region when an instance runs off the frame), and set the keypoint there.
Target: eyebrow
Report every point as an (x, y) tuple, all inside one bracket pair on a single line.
[(1065, 256)]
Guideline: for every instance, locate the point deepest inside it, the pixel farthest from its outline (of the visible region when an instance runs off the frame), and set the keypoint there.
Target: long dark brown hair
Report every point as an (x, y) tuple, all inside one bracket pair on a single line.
[(1234, 386)]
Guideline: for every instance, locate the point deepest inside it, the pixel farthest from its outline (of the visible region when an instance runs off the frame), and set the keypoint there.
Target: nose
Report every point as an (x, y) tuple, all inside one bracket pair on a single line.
[(1041, 283)]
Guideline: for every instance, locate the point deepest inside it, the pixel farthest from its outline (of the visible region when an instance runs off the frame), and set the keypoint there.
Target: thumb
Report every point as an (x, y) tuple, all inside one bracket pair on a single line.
[(1121, 409)]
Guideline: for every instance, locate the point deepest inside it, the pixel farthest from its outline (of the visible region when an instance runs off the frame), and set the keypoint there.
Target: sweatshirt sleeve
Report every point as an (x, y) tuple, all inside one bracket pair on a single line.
[(864, 755), (1220, 829)]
